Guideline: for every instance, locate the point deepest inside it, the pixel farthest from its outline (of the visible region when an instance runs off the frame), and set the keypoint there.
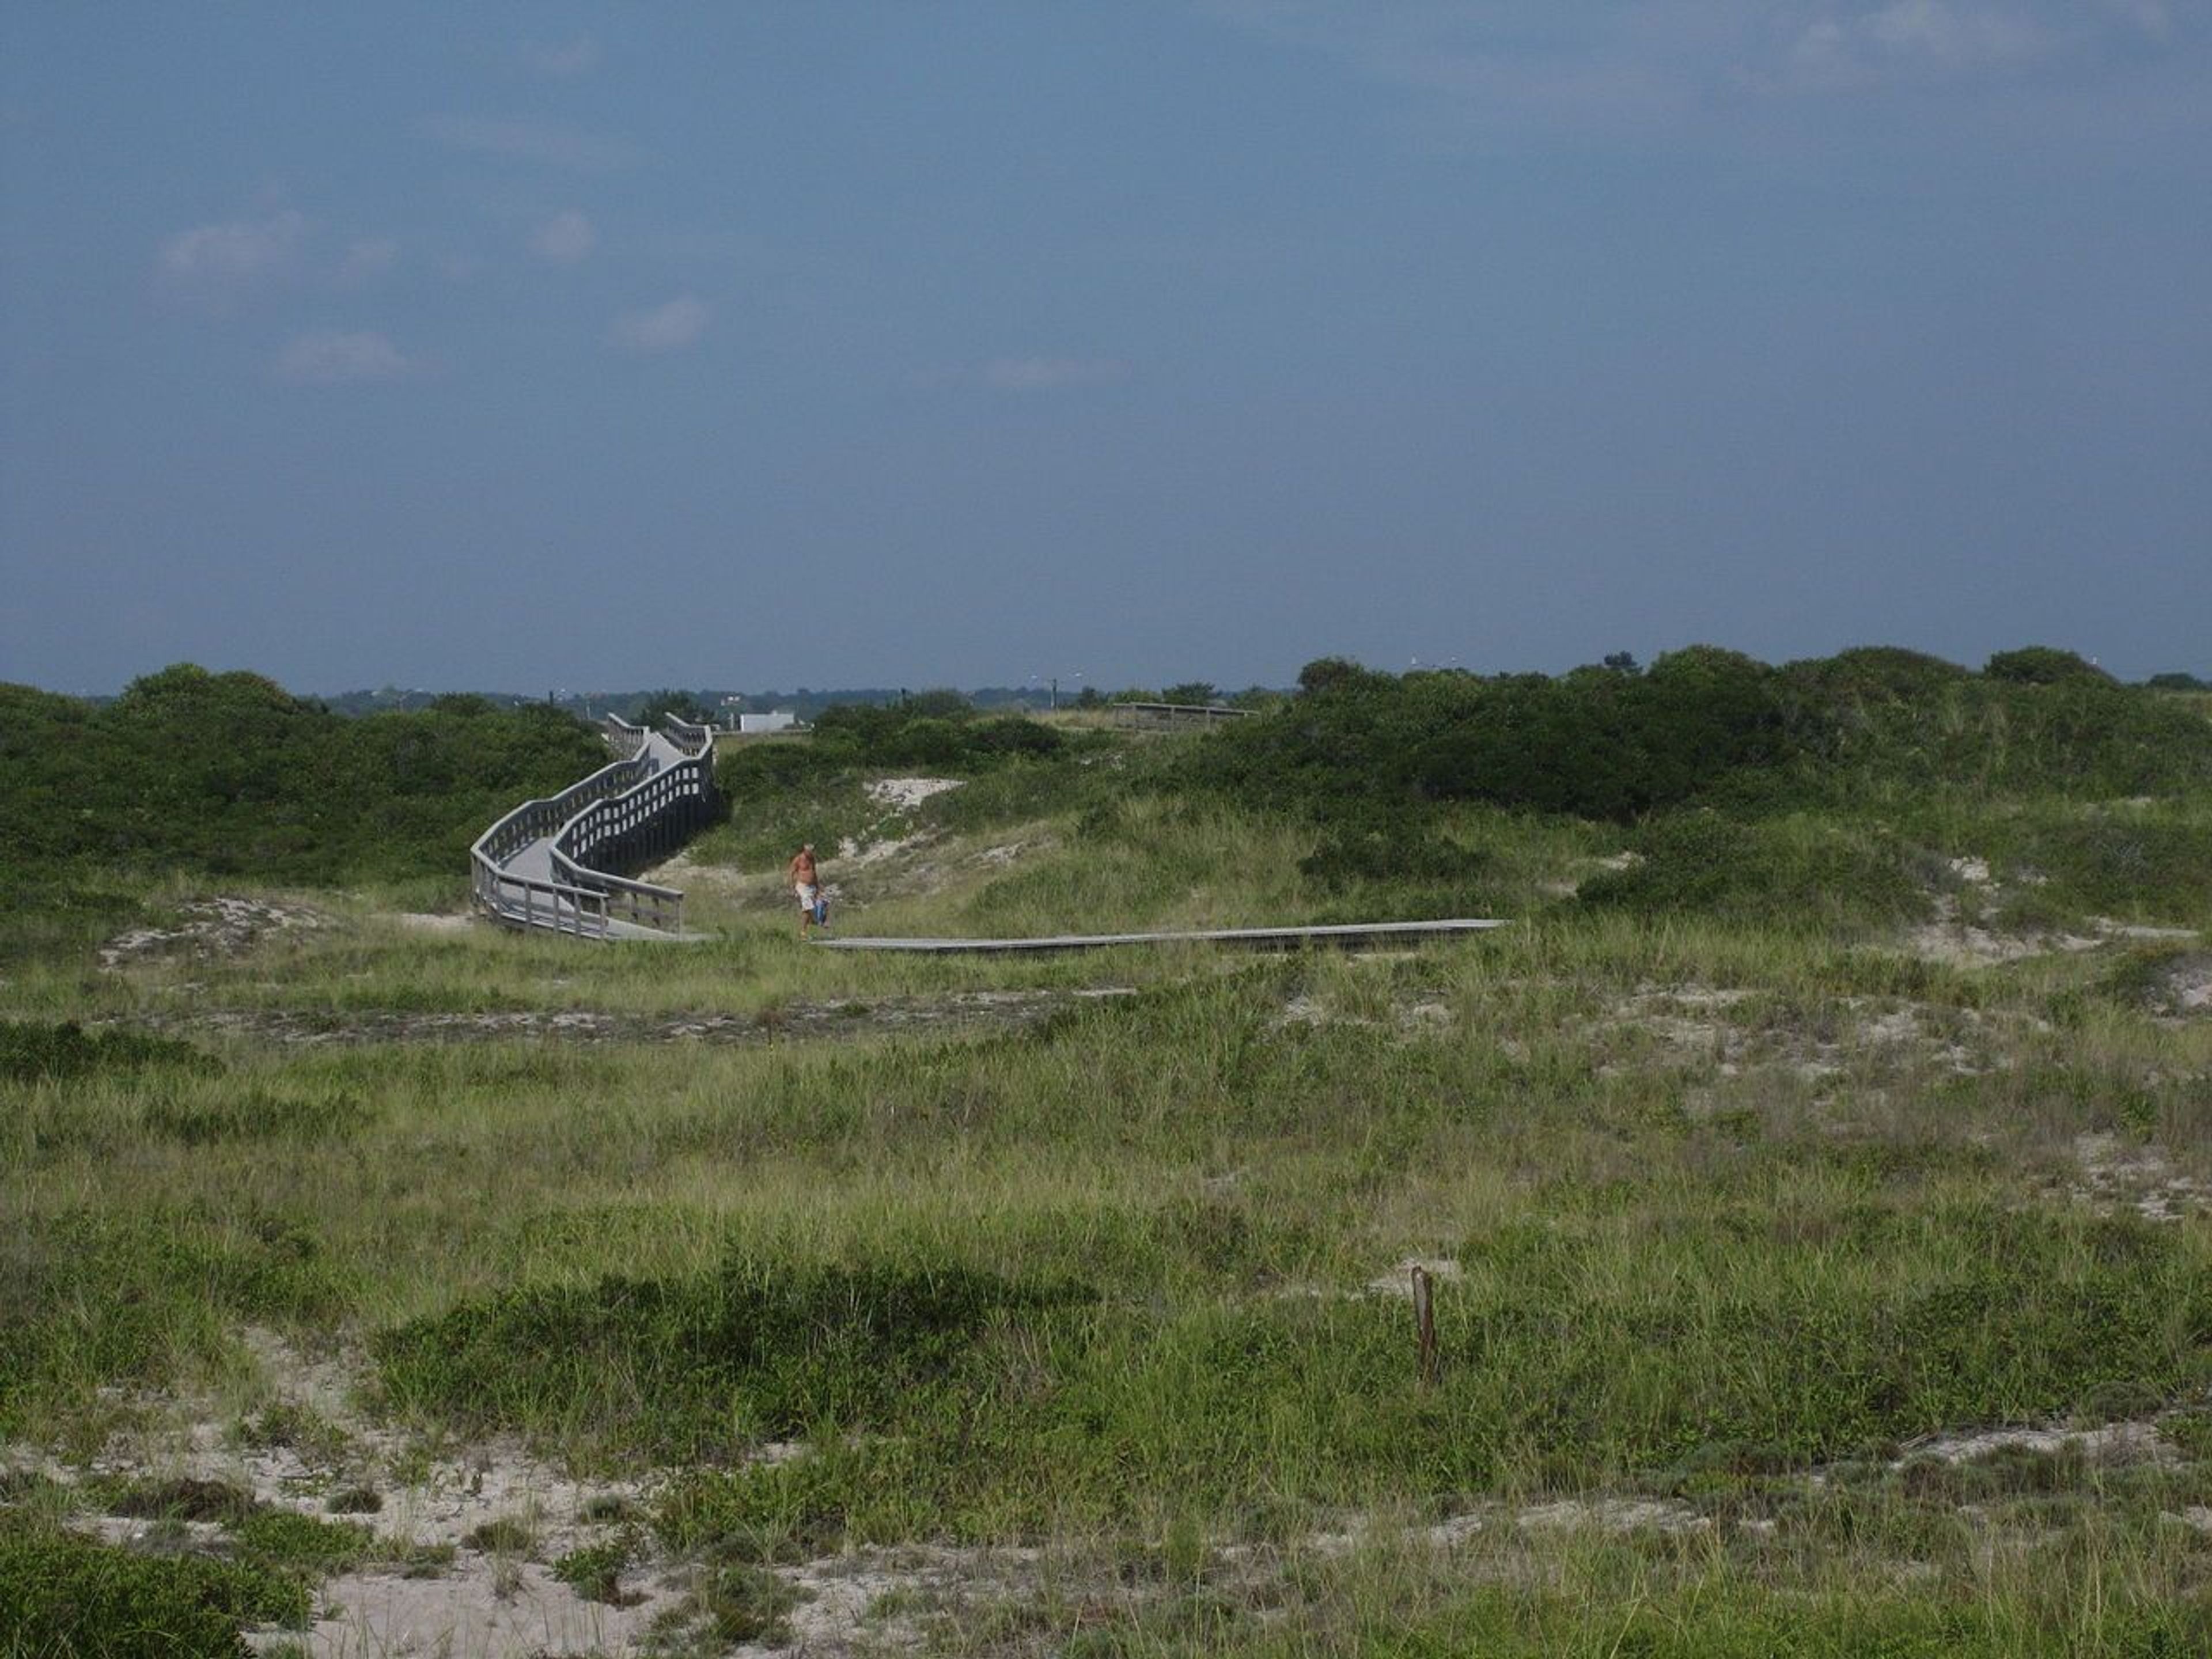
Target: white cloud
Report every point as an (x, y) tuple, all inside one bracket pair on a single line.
[(664, 328), (565, 237), (329, 357), (221, 259), (1922, 37), (1044, 373), (532, 141), (367, 259), (563, 62), (1538, 65)]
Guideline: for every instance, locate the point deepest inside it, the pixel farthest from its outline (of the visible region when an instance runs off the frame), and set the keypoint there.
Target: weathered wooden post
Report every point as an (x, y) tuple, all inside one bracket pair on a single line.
[(1424, 1325)]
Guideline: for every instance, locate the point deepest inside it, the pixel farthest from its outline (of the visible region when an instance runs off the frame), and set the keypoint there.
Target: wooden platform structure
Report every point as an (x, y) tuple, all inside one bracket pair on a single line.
[(551, 864), (1265, 938)]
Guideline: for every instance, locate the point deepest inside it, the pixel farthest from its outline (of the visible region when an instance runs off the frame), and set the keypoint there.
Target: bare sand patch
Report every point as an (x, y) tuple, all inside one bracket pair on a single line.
[(1692, 1027), (687, 874), (2114, 1443), (1961, 941), (2136, 1176), (904, 794), (423, 921), (440, 1590), (226, 926)]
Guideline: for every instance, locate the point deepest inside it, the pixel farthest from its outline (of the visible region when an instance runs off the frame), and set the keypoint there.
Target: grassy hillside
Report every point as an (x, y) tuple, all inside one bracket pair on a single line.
[(1812, 1180)]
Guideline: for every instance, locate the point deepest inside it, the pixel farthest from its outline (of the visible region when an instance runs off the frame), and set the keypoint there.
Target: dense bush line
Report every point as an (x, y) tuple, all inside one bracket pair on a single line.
[(937, 730), (1705, 724), (228, 774)]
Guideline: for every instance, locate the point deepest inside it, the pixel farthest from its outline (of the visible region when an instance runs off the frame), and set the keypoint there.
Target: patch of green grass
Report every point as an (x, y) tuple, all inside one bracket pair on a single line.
[(1786, 872), (254, 1113), (759, 1348), (42, 1052), (731, 1603), (504, 1534), (594, 1572), (288, 1423), (61, 1593), (1692, 1621), (285, 1542), (184, 1498), (120, 1297)]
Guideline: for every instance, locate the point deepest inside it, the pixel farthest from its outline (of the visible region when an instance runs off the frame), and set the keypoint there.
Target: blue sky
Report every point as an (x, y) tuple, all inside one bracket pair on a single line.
[(911, 344)]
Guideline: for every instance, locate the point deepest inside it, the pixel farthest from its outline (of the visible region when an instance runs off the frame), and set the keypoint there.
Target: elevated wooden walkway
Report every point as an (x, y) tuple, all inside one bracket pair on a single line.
[(1266, 939), (549, 863)]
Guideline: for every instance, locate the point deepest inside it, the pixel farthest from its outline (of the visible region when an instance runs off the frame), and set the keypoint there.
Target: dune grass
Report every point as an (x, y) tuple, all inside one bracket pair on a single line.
[(1731, 1200)]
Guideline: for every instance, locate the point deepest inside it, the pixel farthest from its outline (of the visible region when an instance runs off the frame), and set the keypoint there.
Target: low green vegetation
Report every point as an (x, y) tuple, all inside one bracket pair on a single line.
[(39, 1051), (63, 1594), (228, 776), (1837, 1091)]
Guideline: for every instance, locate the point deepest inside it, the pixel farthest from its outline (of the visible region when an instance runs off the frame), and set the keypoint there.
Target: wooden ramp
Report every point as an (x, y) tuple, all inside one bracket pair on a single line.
[(1277, 938)]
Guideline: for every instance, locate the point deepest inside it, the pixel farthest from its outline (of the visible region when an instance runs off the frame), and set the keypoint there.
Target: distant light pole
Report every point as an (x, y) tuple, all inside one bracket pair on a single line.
[(1053, 682)]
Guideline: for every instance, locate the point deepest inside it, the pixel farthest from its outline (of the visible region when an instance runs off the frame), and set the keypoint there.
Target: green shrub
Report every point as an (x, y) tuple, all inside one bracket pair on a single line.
[(2128, 861), (62, 1594), (945, 736), (757, 1348), (36, 1052), (595, 1571), (2042, 664), (1596, 742), (283, 1540), (1776, 873), (227, 774), (1705, 726), (1360, 849), (184, 1500)]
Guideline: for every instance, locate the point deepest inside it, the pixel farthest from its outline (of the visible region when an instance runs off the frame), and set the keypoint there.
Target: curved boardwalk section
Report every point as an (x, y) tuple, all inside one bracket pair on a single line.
[(551, 864)]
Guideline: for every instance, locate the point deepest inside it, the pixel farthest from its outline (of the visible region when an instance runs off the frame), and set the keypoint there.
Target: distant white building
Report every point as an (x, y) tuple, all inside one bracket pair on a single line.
[(780, 720)]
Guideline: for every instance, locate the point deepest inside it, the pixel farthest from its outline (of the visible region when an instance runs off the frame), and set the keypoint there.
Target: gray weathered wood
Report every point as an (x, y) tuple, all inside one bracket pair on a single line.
[(1357, 932), (538, 866)]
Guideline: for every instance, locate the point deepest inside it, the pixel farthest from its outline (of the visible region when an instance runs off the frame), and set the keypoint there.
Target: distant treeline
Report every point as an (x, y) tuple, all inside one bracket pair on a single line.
[(228, 774), (720, 707), (1705, 726)]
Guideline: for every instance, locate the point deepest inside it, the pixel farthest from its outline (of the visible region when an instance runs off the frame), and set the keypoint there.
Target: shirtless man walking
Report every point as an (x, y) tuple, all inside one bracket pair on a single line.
[(806, 882)]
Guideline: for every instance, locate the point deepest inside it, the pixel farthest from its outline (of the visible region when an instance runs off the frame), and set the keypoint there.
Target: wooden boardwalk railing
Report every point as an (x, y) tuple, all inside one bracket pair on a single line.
[(548, 863), (1174, 716)]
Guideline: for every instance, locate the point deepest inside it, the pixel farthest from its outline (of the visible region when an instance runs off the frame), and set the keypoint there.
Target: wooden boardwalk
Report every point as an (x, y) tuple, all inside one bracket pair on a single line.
[(539, 865), (1274, 939)]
